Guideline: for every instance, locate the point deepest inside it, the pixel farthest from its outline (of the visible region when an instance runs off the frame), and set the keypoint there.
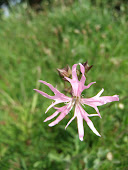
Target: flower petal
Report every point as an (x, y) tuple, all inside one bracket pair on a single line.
[(56, 92), (99, 94), (58, 97), (98, 101), (50, 86), (80, 127), (83, 78), (75, 85), (79, 122), (74, 74), (107, 99), (44, 94), (97, 110), (53, 104), (90, 124), (52, 116), (86, 87), (91, 115), (78, 86), (58, 110), (59, 118), (64, 111), (74, 81), (70, 121)]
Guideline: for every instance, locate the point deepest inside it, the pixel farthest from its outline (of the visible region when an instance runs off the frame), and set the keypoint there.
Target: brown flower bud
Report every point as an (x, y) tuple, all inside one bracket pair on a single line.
[(86, 66), (65, 72)]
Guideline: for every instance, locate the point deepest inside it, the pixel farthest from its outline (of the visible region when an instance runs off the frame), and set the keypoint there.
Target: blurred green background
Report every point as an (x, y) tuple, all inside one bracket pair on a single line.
[(33, 43)]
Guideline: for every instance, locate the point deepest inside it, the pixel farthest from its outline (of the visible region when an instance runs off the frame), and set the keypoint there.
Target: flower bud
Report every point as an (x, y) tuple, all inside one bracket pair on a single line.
[(86, 66), (65, 72)]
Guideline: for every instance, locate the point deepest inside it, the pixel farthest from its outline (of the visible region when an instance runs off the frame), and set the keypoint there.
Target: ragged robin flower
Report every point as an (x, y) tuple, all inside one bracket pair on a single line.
[(76, 101)]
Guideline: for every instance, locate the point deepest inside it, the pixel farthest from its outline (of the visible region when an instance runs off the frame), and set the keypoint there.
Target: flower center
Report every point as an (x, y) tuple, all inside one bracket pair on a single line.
[(76, 100)]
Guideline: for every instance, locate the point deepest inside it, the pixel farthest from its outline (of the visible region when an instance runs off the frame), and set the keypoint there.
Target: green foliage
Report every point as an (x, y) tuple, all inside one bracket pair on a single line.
[(32, 47)]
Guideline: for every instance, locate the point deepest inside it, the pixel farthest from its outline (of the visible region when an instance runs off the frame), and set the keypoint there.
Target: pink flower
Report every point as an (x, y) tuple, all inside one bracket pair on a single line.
[(76, 101)]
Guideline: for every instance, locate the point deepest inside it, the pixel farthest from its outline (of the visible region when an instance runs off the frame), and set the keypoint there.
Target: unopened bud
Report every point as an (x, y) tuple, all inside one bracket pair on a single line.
[(65, 72), (86, 66)]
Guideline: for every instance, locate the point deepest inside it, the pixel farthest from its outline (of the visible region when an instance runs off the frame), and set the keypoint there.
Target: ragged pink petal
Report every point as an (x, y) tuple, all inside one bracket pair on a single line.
[(108, 99), (57, 92), (74, 74), (50, 86), (75, 85), (79, 122), (58, 110), (82, 111), (53, 104), (59, 118), (78, 86), (74, 81), (58, 95), (82, 69), (52, 116), (89, 122), (80, 127), (44, 94), (98, 101), (83, 78), (63, 113), (86, 87), (82, 81)]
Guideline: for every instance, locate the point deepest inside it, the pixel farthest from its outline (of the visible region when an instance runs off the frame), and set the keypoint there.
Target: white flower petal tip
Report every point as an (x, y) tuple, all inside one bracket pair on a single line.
[(90, 124), (46, 110), (81, 138), (51, 124), (100, 116), (98, 134), (80, 64), (102, 90), (99, 94), (93, 82)]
